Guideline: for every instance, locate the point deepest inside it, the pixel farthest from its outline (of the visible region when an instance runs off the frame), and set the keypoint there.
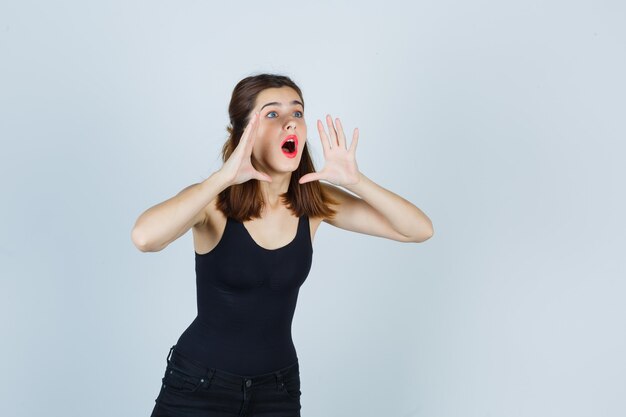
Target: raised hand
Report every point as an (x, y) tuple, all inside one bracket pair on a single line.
[(238, 168), (340, 166)]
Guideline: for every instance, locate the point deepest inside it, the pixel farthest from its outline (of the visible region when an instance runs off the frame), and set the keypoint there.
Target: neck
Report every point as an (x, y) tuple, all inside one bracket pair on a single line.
[(271, 192)]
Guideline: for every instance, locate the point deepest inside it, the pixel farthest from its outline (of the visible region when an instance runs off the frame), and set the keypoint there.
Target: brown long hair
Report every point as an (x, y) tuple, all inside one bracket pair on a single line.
[(244, 201)]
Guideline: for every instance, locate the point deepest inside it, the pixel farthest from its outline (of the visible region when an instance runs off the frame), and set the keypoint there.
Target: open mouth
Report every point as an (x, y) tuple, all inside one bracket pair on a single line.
[(290, 146)]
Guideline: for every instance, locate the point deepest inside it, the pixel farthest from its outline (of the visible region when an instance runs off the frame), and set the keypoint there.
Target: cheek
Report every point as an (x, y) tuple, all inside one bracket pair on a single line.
[(261, 141)]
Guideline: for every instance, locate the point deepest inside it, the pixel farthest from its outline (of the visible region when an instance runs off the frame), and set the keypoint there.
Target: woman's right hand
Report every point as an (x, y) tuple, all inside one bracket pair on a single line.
[(238, 168)]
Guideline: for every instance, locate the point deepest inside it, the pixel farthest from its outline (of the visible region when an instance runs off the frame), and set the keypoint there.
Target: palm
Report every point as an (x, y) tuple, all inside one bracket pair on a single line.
[(340, 165), (239, 167)]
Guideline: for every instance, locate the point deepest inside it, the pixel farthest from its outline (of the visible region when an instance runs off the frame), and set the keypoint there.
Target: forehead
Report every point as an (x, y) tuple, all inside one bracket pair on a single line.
[(282, 95)]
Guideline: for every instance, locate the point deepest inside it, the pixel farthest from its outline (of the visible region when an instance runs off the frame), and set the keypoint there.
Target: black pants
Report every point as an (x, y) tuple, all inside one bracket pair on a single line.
[(191, 390)]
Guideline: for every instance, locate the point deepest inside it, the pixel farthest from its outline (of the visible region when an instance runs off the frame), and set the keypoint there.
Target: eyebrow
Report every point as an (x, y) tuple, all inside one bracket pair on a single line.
[(275, 103)]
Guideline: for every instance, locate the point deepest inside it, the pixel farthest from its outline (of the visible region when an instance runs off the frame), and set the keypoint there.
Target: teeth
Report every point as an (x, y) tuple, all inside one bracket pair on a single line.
[(289, 146)]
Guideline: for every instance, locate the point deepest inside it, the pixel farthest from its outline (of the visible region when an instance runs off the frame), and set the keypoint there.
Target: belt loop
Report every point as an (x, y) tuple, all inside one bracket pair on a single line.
[(170, 354), (210, 377), (279, 380)]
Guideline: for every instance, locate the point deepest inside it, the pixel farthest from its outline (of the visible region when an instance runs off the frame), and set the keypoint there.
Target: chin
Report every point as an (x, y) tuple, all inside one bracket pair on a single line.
[(289, 164)]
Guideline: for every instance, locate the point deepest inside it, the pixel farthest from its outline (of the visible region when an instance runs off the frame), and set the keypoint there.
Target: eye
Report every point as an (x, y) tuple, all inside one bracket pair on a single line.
[(272, 112), (298, 113)]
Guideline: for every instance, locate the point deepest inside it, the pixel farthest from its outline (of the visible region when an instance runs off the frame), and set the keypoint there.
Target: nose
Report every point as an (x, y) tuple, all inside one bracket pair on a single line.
[(290, 125)]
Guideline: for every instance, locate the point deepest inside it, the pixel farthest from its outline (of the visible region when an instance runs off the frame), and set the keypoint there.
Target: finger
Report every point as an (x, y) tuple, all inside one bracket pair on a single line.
[(340, 135), (314, 176), (326, 146), (262, 177), (355, 140), (250, 133), (246, 130), (331, 130)]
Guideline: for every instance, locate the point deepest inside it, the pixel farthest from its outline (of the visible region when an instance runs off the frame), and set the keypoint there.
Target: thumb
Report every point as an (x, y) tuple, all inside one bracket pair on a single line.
[(262, 177), (313, 176)]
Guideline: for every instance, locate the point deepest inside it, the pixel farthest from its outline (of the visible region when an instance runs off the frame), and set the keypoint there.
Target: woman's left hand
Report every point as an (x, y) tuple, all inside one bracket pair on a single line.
[(340, 167)]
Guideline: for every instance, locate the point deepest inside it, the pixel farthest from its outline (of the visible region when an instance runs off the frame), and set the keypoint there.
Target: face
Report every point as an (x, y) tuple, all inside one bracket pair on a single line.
[(281, 133)]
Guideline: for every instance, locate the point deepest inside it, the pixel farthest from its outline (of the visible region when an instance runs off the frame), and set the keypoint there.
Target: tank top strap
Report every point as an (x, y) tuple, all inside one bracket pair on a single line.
[(304, 229), (303, 223)]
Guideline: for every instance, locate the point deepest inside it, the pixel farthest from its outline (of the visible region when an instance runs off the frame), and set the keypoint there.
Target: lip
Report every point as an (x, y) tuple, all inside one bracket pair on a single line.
[(295, 140)]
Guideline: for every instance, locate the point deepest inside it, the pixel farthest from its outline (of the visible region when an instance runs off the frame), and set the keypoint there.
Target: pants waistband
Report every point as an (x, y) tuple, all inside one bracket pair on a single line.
[(177, 360)]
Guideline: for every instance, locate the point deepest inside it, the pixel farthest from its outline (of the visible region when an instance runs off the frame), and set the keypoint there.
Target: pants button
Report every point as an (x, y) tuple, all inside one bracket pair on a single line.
[(248, 383)]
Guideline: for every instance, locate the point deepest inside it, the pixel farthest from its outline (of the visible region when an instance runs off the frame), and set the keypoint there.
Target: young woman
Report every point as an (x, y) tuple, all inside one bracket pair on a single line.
[(253, 224)]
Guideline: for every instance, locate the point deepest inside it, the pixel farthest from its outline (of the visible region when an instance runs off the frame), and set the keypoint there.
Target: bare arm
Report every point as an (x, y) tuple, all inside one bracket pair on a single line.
[(160, 225), (378, 211)]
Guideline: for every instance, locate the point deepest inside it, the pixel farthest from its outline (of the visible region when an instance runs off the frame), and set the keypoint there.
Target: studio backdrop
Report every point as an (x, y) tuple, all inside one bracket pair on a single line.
[(502, 120)]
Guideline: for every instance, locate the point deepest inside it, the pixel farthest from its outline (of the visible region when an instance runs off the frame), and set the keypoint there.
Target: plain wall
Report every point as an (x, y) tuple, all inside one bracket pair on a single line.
[(502, 121)]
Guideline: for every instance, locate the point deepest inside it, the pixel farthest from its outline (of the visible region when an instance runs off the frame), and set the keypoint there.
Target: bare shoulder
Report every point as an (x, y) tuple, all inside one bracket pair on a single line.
[(208, 232), (344, 201), (335, 194), (314, 224)]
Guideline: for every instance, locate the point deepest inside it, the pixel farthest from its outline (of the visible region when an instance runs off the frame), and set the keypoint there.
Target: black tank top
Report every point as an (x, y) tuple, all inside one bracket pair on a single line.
[(246, 297)]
